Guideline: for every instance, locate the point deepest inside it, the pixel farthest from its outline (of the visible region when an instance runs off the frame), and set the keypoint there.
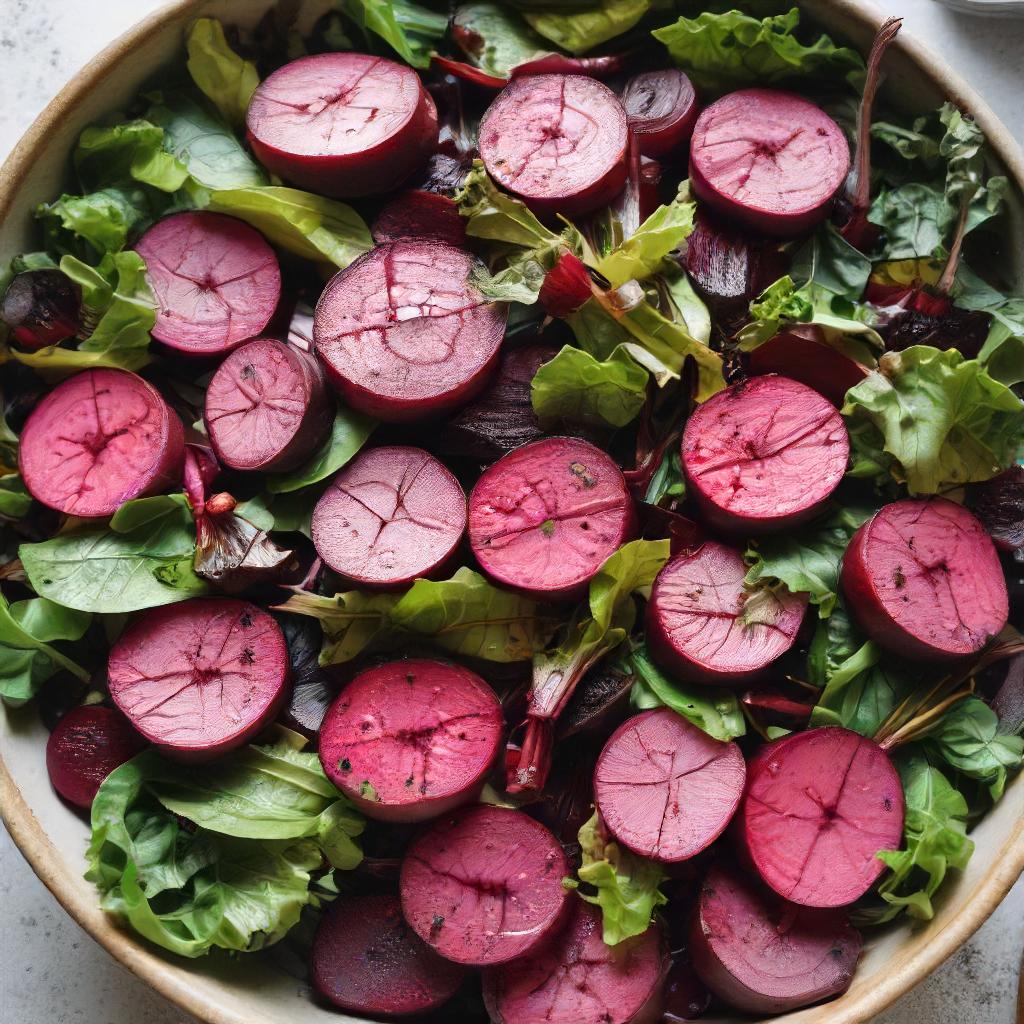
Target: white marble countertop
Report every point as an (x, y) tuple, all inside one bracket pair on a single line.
[(50, 970)]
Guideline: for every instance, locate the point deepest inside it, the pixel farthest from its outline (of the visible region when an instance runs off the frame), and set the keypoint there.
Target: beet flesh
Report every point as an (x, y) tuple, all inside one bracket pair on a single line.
[(558, 142), (88, 743), (764, 455), (390, 516), (665, 788), (411, 739), (216, 281), (201, 677), (576, 979), (701, 626), (923, 578), (267, 407), (545, 517), (419, 214), (770, 160), (403, 333), (342, 124), (818, 808), (367, 960), (484, 885), (764, 955), (661, 107), (99, 439)]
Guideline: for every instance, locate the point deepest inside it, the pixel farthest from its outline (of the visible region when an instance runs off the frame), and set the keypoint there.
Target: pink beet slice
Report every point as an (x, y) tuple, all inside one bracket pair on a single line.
[(923, 578), (88, 743), (764, 455), (577, 979), (367, 960), (411, 739), (216, 281), (770, 160), (342, 124), (99, 439), (418, 213), (483, 885), (200, 677), (819, 807), (404, 334), (705, 626), (558, 142), (665, 788), (766, 956), (390, 516), (543, 518), (267, 407), (661, 107)]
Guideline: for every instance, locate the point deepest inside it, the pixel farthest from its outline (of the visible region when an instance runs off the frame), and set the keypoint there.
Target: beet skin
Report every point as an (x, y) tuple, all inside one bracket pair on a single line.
[(661, 108), (411, 739), (764, 455), (419, 214), (665, 788), (484, 885), (819, 806), (201, 677), (99, 439), (922, 577), (545, 517)]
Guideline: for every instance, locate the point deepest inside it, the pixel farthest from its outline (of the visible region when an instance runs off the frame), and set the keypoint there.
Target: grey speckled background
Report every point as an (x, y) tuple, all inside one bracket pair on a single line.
[(50, 971)]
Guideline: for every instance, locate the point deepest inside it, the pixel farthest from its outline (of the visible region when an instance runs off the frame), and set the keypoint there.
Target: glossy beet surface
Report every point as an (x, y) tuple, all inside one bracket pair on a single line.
[(661, 107)]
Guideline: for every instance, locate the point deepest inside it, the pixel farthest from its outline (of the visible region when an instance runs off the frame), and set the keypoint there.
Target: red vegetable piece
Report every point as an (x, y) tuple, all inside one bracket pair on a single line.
[(419, 214), (41, 307), (467, 72), (661, 107), (604, 66), (566, 287)]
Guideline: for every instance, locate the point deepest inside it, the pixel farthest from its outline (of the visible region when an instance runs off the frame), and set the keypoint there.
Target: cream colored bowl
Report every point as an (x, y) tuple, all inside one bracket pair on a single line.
[(250, 990)]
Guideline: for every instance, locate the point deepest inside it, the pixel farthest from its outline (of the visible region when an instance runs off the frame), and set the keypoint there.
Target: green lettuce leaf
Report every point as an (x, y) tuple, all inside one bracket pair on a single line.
[(221, 75), (910, 215), (350, 432), (126, 152), (104, 219), (642, 254), (495, 38), (412, 30), (580, 30), (15, 501)]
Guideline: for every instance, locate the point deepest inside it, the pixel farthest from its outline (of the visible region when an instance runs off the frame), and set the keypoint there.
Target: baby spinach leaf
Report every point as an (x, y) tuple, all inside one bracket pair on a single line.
[(350, 432), (495, 38), (410, 29)]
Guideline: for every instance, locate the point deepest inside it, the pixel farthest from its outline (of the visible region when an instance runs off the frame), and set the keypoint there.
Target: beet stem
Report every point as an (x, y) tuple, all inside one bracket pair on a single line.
[(945, 282)]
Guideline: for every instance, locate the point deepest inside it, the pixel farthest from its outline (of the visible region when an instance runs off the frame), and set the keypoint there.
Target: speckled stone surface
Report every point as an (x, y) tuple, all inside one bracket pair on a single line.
[(51, 972)]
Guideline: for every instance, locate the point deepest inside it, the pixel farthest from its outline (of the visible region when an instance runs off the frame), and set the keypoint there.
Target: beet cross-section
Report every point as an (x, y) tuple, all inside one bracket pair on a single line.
[(661, 107)]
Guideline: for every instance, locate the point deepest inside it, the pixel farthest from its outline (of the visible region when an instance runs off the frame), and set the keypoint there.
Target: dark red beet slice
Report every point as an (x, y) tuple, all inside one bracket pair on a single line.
[(267, 407), (99, 439), (411, 739), (661, 107), (999, 505), (702, 626), (819, 806), (200, 677), (367, 960), (763, 955), (404, 334), (558, 142), (342, 124), (604, 66), (41, 307), (86, 746), (770, 160), (390, 516), (484, 885), (577, 979), (544, 518), (764, 455), (420, 214), (665, 788), (923, 579)]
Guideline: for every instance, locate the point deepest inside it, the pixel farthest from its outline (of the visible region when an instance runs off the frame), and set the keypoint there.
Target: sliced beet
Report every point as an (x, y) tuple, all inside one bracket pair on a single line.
[(42, 307), (558, 142), (665, 788), (404, 334), (770, 160), (705, 626), (367, 960), (661, 107), (99, 439), (216, 281), (764, 455), (545, 517), (484, 885), (819, 807), (342, 124), (764, 955), (577, 979), (390, 516), (201, 677), (420, 214), (267, 407), (87, 744), (411, 739), (923, 579), (999, 504)]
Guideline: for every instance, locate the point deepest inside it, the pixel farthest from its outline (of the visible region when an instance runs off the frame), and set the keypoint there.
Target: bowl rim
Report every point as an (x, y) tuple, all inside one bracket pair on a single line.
[(152, 967)]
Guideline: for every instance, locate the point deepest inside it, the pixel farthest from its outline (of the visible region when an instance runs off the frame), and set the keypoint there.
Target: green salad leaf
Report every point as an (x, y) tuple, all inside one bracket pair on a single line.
[(412, 30), (580, 30), (495, 38), (349, 433), (222, 76), (15, 501), (126, 152), (641, 255), (104, 219)]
